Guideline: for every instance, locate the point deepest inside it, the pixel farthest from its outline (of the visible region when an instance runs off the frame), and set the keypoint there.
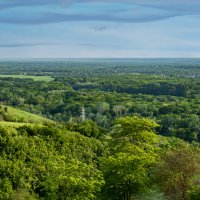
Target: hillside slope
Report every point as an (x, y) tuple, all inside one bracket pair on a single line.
[(10, 116)]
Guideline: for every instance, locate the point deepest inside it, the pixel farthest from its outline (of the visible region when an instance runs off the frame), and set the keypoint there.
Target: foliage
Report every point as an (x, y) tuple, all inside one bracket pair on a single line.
[(43, 161), (177, 171), (107, 93), (73, 181), (87, 128), (21, 194), (135, 130), (132, 159), (111, 153)]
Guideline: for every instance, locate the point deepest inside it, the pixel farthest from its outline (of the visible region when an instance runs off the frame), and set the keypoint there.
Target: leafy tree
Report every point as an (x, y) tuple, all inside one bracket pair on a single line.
[(127, 173), (87, 128), (72, 181), (135, 130), (133, 153), (48, 162), (103, 107), (177, 171)]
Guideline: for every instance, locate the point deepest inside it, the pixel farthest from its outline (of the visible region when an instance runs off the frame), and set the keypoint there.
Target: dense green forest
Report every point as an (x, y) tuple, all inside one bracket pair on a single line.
[(100, 129)]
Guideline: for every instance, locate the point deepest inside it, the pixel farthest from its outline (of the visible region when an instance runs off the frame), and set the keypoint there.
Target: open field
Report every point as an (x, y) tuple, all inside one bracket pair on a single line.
[(35, 78)]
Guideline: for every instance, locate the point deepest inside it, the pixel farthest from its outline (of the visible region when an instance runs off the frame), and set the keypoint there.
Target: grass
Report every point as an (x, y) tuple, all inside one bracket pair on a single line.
[(35, 78), (13, 124), (17, 116)]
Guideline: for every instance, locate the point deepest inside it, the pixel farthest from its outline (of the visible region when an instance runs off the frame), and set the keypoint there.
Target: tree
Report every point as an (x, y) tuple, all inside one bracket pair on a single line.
[(5, 109), (133, 152), (48, 163), (127, 173), (102, 107), (118, 110), (72, 181), (135, 130), (177, 171), (87, 128)]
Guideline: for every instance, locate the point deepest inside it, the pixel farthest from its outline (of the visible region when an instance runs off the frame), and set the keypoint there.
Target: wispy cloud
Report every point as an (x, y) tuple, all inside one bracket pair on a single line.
[(51, 17), (149, 11), (13, 45), (189, 5), (96, 45), (17, 3), (99, 28)]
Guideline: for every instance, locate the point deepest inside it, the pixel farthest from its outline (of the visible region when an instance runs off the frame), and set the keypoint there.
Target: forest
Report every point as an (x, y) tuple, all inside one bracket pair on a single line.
[(118, 129)]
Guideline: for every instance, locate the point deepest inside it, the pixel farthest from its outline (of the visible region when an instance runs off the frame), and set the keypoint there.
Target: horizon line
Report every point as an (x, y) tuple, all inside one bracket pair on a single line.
[(73, 58)]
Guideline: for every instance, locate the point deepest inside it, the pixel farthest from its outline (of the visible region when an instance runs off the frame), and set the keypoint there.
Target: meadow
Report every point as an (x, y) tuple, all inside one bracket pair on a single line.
[(35, 78)]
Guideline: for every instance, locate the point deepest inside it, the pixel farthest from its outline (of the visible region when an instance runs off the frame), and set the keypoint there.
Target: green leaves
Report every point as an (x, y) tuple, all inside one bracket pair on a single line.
[(135, 129), (50, 162), (126, 170), (73, 180), (177, 171)]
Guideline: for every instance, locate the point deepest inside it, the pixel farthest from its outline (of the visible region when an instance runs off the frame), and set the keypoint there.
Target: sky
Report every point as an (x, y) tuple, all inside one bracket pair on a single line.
[(99, 29)]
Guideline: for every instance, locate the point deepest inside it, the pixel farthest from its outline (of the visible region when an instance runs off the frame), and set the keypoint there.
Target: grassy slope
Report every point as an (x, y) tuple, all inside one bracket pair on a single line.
[(16, 118), (14, 124)]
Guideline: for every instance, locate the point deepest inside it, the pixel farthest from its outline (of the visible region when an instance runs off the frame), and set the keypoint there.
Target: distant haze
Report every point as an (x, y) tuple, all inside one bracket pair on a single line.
[(143, 61)]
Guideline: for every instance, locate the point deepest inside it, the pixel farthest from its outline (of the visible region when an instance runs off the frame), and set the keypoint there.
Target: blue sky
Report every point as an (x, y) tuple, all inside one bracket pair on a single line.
[(104, 28)]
